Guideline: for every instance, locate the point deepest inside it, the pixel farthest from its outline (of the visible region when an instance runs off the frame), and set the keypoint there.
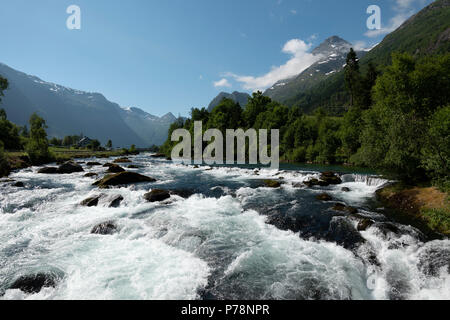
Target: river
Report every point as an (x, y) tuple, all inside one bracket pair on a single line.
[(228, 237)]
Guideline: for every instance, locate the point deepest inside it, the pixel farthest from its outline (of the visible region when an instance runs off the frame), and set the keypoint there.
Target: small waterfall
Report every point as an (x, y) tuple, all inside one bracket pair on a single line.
[(371, 181)]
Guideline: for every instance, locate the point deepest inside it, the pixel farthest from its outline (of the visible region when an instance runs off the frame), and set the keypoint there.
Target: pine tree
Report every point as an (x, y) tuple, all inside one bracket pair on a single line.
[(352, 75)]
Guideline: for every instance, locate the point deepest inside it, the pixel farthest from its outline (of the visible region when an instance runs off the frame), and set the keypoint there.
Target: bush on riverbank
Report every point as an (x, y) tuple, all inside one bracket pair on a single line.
[(4, 164)]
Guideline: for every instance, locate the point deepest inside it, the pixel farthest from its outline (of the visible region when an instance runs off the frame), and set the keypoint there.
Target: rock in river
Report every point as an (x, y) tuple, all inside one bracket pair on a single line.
[(106, 228), (48, 170), (122, 178), (35, 282), (69, 167), (114, 168), (157, 195), (324, 197), (122, 160), (272, 183), (92, 201)]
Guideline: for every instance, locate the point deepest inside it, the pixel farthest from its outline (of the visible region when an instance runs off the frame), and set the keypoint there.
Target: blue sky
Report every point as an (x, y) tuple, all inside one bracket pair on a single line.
[(172, 55)]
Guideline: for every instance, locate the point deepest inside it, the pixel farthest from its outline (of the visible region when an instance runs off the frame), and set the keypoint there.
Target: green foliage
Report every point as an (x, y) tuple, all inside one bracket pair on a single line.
[(3, 86), (396, 128), (4, 165), (9, 133), (109, 144), (94, 145), (436, 150), (438, 219), (69, 141), (37, 146), (56, 142)]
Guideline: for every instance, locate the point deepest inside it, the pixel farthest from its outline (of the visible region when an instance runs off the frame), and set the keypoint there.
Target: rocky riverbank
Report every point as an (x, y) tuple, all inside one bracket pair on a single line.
[(426, 206)]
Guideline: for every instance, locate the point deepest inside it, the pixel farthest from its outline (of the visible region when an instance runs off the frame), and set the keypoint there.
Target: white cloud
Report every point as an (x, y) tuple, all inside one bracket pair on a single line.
[(299, 61), (222, 83), (404, 9)]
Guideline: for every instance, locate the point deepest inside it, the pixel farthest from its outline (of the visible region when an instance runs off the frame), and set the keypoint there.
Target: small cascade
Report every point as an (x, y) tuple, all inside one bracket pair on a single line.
[(371, 181)]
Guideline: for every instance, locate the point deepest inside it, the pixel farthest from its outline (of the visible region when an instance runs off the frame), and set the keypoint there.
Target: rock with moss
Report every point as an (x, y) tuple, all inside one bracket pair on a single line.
[(330, 178), (122, 179), (122, 160), (272, 184)]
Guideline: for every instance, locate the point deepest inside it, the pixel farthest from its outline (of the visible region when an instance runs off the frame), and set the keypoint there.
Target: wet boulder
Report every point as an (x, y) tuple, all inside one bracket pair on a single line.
[(69, 167), (122, 178), (364, 224), (133, 166), (114, 168), (19, 184), (116, 201), (92, 201), (35, 282), (90, 175), (330, 178), (157, 195), (324, 197), (183, 193), (272, 183), (345, 189), (107, 165), (311, 183), (343, 232), (48, 170), (106, 228), (93, 164)]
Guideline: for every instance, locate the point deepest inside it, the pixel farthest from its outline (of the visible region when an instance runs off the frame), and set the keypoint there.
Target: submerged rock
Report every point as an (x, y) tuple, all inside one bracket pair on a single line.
[(184, 193), (343, 208), (114, 168), (35, 282), (324, 197), (122, 178), (345, 189), (69, 167), (106, 228), (48, 170), (157, 195), (272, 184), (132, 166), (115, 202)]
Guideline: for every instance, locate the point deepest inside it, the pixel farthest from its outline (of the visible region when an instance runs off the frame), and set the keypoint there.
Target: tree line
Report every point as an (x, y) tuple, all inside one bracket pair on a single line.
[(398, 121)]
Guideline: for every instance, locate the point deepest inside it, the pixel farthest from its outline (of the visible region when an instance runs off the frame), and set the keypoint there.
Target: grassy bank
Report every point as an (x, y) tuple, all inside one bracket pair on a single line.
[(19, 160), (425, 204)]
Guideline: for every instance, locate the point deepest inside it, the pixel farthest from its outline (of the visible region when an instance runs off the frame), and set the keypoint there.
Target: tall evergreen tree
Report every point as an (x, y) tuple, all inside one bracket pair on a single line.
[(352, 75)]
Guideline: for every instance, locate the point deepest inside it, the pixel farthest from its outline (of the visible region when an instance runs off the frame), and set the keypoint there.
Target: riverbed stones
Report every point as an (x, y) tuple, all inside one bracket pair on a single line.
[(105, 228), (34, 283), (157, 195), (122, 178)]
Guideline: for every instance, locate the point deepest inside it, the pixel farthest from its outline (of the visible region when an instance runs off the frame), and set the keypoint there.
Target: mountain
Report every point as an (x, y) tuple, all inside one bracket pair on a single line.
[(239, 97), (150, 128), (332, 54), (425, 33), (68, 112)]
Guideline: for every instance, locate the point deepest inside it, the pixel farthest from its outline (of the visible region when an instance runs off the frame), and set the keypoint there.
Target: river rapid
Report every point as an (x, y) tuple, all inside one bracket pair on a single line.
[(224, 236)]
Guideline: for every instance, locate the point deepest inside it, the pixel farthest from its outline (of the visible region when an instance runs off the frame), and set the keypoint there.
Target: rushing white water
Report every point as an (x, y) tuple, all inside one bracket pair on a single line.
[(215, 243)]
